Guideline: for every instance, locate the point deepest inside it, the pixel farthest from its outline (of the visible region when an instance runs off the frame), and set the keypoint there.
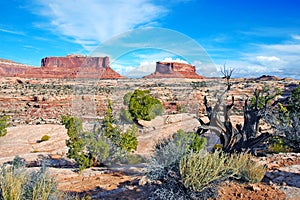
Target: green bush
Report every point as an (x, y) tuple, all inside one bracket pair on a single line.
[(76, 147), (128, 140), (108, 143), (126, 116), (143, 106), (277, 145), (4, 122), (45, 138)]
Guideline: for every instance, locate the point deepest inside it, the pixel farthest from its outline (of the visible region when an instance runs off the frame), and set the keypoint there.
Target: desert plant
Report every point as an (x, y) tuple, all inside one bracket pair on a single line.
[(17, 183), (75, 143), (45, 138), (198, 170), (143, 106), (12, 181), (125, 140), (4, 122), (277, 145), (163, 166), (246, 136), (40, 186), (252, 172), (128, 140), (287, 120), (126, 116), (106, 144)]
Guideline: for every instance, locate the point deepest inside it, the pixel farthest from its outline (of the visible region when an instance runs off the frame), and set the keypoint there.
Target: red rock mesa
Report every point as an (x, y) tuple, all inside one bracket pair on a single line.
[(71, 66), (174, 70)]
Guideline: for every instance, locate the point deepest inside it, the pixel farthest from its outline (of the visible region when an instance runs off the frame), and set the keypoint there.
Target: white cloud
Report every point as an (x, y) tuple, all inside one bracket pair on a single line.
[(11, 32), (296, 37), (145, 68), (283, 48), (267, 58), (90, 22), (169, 59)]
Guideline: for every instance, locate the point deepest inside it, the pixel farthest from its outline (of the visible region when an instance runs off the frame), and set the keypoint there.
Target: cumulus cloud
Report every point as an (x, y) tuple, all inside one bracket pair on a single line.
[(90, 22), (145, 68)]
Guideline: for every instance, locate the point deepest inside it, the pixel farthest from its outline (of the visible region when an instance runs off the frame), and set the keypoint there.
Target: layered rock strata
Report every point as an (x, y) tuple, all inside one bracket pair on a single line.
[(174, 70), (74, 67)]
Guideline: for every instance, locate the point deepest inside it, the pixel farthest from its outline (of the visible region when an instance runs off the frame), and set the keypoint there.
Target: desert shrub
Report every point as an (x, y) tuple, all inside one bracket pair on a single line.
[(126, 116), (75, 144), (277, 145), (285, 119), (106, 144), (251, 171), (133, 159), (12, 181), (45, 138), (17, 183), (143, 106), (169, 151), (163, 166), (4, 122), (128, 140), (40, 186), (126, 98), (198, 171)]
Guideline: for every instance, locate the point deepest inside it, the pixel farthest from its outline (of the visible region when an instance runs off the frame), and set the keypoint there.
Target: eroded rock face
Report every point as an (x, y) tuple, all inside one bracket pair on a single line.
[(62, 67), (174, 70), (73, 67), (12, 69)]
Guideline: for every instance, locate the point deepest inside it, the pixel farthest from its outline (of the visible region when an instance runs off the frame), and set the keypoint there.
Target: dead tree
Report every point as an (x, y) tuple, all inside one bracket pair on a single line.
[(243, 137)]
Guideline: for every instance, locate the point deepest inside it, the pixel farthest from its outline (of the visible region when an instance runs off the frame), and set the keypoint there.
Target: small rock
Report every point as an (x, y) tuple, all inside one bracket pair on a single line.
[(283, 183), (143, 181)]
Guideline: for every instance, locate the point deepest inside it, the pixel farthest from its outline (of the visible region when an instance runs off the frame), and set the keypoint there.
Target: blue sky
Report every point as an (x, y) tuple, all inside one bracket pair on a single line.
[(253, 37)]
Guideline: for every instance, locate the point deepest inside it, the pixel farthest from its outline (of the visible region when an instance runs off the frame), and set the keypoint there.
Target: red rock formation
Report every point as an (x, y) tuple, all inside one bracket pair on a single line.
[(62, 67), (12, 69), (174, 70), (73, 67)]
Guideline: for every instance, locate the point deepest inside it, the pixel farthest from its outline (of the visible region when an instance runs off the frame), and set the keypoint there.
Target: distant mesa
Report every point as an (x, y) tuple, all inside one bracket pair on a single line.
[(10, 68), (268, 78), (174, 70), (71, 66)]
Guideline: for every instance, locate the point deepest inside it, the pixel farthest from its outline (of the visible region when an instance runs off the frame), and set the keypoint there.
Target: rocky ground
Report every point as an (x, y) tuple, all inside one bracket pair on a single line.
[(36, 105), (127, 181)]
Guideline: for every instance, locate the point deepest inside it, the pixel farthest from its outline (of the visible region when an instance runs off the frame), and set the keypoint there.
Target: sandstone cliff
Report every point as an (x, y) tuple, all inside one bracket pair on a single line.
[(73, 67), (174, 70)]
